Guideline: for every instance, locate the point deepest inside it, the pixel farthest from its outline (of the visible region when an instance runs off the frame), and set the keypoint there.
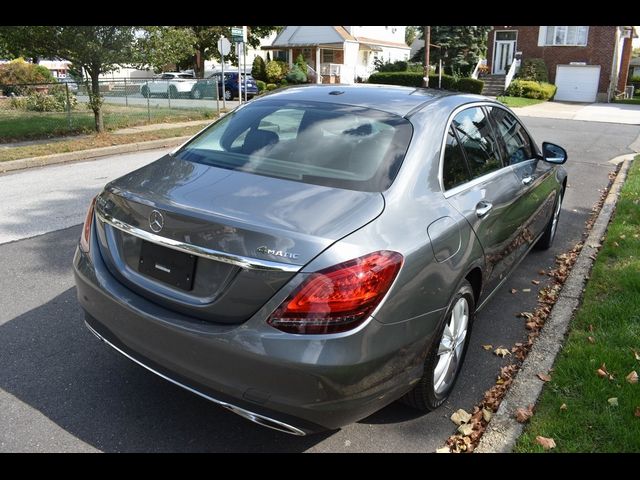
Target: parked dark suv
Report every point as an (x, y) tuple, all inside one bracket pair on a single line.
[(205, 87)]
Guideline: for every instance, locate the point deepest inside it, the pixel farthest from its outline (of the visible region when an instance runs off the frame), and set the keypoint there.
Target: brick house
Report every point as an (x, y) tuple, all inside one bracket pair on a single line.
[(586, 63), (340, 54)]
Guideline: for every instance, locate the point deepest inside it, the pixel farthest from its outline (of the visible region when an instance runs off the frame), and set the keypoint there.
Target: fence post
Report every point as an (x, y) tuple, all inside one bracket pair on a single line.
[(148, 96), (126, 95), (66, 86), (169, 95)]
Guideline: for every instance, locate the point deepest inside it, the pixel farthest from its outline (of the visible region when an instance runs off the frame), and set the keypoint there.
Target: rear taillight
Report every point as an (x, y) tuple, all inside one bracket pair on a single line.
[(85, 236), (338, 298)]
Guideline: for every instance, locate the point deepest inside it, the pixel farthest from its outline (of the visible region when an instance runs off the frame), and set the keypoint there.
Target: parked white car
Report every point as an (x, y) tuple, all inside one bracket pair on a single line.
[(174, 84)]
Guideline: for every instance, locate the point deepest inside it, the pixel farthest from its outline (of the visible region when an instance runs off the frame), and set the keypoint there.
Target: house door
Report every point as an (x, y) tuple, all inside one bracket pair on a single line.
[(504, 51)]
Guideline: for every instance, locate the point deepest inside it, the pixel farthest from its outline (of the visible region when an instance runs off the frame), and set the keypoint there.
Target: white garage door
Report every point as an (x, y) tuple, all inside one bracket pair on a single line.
[(577, 83)]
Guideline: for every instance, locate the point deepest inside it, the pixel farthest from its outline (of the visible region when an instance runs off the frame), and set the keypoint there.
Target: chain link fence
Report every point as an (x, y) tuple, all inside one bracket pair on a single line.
[(30, 111)]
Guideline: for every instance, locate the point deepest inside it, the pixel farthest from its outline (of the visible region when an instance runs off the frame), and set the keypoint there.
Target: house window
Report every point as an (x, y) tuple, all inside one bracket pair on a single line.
[(566, 35), (327, 56)]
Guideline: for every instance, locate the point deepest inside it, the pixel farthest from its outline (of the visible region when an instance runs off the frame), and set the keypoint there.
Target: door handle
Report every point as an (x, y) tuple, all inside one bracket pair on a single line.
[(483, 208), (527, 180)]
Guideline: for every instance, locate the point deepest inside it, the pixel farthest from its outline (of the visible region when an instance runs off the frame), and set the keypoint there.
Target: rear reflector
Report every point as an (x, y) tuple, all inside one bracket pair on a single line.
[(338, 298)]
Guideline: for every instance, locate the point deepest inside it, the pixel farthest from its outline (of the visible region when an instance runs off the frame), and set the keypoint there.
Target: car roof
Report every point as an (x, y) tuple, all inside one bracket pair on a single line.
[(389, 98)]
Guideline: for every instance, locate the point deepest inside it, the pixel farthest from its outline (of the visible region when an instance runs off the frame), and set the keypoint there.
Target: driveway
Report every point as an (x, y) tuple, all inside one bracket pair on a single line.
[(588, 112), (61, 390)]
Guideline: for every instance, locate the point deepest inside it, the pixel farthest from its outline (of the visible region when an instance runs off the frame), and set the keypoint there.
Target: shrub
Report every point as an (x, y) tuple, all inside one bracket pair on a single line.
[(470, 85), (284, 67), (296, 75), (259, 69), (407, 79), (531, 89), (20, 72), (44, 102), (261, 85), (273, 71), (271, 86), (534, 69), (302, 65), (635, 81)]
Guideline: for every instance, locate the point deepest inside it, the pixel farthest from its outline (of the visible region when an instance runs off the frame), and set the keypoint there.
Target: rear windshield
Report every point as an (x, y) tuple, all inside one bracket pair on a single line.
[(312, 142)]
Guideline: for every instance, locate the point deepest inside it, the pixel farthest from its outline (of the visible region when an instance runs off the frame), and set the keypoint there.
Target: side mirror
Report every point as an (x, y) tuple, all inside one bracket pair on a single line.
[(553, 153)]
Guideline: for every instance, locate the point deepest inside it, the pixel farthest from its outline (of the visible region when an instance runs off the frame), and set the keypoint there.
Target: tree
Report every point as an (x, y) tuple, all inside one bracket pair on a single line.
[(161, 46), (460, 47), (96, 49), (410, 35), (259, 69)]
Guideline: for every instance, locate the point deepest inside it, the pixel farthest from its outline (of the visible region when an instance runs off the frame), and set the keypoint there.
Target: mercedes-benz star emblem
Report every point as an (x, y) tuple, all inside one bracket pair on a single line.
[(156, 221)]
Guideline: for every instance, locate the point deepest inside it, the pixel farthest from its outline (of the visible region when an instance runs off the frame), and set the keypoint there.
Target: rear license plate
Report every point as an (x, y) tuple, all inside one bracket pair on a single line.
[(167, 265)]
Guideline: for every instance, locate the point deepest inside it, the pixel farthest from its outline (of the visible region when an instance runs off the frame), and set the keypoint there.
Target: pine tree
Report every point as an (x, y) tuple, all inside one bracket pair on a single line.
[(460, 47)]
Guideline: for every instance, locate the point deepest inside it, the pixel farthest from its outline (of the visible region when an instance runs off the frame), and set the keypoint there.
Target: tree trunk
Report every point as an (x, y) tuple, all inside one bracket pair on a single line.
[(198, 63), (95, 100)]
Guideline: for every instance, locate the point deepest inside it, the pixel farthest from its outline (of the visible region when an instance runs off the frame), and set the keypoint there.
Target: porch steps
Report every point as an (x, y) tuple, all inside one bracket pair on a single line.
[(493, 85)]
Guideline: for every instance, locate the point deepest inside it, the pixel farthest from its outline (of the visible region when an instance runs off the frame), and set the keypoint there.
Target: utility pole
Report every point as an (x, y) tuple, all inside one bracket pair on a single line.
[(427, 44)]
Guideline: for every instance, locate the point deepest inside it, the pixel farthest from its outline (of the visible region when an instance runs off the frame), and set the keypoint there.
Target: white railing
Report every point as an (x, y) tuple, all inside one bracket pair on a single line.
[(515, 65), (330, 68), (481, 62)]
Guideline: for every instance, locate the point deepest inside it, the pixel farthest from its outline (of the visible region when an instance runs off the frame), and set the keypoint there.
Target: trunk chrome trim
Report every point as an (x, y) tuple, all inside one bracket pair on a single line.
[(247, 263), (251, 416)]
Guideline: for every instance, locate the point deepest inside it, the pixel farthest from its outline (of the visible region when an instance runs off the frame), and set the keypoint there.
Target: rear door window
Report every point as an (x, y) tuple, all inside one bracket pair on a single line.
[(454, 168)]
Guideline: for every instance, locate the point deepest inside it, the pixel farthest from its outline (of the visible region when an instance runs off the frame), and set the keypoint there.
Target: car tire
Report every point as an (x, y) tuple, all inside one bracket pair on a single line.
[(452, 339), (550, 230), (228, 94), (196, 94), (145, 92)]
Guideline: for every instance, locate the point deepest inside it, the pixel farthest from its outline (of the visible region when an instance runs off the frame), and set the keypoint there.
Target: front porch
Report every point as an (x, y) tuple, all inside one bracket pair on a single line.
[(328, 60)]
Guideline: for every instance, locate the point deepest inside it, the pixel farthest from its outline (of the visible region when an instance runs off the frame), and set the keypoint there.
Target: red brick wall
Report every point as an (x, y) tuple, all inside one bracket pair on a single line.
[(598, 51)]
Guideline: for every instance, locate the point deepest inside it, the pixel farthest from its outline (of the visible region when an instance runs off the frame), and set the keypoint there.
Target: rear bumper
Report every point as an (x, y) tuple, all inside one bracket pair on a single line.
[(294, 383)]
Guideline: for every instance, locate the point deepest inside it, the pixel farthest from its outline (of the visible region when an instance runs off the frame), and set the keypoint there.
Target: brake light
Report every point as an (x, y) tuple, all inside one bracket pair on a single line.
[(338, 298), (85, 236)]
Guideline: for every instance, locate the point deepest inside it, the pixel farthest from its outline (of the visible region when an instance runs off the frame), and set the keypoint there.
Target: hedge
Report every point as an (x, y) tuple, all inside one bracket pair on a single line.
[(531, 89), (534, 69), (414, 79)]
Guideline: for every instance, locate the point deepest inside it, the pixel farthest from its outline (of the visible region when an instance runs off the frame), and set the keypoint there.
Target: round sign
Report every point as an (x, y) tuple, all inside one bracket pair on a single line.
[(224, 46)]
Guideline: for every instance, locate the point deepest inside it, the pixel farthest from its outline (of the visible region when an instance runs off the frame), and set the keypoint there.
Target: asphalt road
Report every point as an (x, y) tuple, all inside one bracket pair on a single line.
[(61, 390)]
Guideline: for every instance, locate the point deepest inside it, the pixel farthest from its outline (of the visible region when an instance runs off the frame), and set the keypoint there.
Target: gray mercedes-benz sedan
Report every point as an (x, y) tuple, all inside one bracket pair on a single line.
[(319, 252)]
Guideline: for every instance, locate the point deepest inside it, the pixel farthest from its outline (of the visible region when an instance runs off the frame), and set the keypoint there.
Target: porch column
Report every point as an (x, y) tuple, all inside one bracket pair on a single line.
[(318, 76), (290, 57)]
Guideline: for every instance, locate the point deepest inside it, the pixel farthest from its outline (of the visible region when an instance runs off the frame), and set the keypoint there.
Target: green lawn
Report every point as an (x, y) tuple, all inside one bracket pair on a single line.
[(18, 125), (605, 330), (629, 101), (515, 102)]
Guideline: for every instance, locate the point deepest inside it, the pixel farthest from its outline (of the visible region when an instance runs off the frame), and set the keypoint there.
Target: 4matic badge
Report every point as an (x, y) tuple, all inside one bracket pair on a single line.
[(277, 253)]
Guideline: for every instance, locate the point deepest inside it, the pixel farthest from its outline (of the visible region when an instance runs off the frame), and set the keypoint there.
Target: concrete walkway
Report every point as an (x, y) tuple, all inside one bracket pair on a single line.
[(588, 112)]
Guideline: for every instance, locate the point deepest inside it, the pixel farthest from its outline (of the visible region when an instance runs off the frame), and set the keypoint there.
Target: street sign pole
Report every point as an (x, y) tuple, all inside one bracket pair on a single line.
[(224, 47), (239, 76)]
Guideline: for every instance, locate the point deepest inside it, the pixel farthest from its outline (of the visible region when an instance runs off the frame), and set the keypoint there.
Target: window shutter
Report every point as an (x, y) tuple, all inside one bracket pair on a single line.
[(542, 34)]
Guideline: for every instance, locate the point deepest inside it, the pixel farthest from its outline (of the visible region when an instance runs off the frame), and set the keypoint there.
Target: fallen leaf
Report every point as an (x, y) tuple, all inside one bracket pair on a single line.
[(622, 237), (443, 450), (535, 282), (502, 352), (632, 377), (637, 412), (526, 315), (637, 355), (544, 377), (601, 373), (542, 272), (545, 442), (591, 339), (524, 414), (613, 401), (563, 406), (526, 290), (591, 328), (487, 414), (460, 416), (616, 244), (465, 429), (513, 290), (487, 347)]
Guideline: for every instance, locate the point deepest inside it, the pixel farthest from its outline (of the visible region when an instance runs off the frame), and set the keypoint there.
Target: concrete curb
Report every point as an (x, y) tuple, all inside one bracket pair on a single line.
[(90, 153), (503, 430)]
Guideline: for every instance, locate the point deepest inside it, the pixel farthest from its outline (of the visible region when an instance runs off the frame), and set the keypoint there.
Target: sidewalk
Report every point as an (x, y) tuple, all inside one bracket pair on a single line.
[(588, 112)]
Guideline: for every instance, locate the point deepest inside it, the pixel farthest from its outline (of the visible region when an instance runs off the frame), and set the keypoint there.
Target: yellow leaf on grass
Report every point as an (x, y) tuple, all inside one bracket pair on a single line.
[(563, 406), (632, 377), (546, 443), (613, 401), (460, 416)]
